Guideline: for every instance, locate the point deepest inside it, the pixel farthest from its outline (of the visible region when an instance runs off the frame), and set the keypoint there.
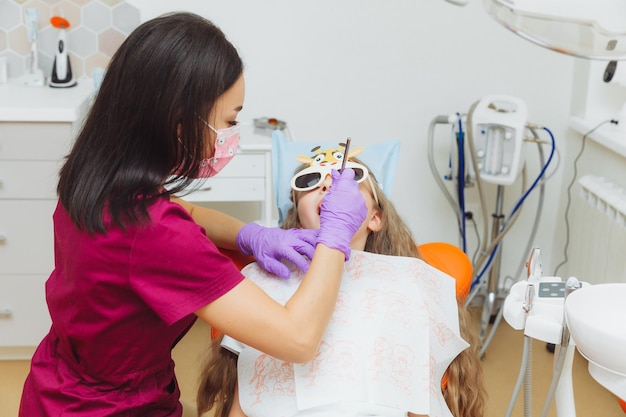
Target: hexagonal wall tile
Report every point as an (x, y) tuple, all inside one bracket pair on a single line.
[(77, 65), (10, 15), (97, 29), (110, 40), (18, 41), (48, 39), (126, 18), (82, 41), (112, 2), (96, 17), (15, 64), (97, 60)]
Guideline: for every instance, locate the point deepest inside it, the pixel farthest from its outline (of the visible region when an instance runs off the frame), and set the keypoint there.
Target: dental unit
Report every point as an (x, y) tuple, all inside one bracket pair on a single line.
[(488, 146), (536, 305), (590, 317), (34, 76), (568, 314)]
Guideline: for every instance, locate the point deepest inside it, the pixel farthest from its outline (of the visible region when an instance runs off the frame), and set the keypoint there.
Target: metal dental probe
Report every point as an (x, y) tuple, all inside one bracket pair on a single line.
[(345, 155)]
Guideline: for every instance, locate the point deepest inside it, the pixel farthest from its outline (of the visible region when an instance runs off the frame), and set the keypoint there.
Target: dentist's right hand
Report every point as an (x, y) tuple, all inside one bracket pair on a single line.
[(342, 213)]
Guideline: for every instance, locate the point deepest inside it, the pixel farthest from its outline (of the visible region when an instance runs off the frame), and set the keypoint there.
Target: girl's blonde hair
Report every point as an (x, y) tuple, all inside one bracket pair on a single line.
[(218, 381), (464, 392)]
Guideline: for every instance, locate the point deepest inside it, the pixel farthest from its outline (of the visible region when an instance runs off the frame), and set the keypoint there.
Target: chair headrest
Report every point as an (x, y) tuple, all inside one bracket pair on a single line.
[(381, 158)]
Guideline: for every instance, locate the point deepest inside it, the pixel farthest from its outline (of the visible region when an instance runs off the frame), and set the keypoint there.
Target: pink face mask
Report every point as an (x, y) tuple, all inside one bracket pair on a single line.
[(226, 144)]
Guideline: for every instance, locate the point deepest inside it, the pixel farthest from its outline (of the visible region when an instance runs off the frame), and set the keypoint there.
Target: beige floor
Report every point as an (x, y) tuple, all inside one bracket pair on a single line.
[(501, 365)]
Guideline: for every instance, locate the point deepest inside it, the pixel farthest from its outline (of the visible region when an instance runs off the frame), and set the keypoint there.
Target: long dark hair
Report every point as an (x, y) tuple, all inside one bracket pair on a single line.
[(144, 124)]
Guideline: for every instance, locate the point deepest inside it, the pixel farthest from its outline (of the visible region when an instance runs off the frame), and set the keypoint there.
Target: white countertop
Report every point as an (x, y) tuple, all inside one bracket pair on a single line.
[(19, 103)]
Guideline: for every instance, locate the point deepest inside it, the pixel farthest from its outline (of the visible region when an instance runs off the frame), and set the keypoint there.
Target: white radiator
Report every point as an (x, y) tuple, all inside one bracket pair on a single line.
[(597, 252)]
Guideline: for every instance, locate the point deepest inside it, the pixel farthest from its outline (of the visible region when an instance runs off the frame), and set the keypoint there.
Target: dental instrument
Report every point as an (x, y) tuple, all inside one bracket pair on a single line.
[(34, 77), (345, 154)]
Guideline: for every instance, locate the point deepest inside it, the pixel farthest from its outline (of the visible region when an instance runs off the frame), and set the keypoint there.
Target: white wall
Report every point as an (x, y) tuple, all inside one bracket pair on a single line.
[(381, 69)]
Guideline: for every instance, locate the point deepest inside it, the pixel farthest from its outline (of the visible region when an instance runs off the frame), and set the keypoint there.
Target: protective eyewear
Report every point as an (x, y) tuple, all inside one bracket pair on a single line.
[(313, 176)]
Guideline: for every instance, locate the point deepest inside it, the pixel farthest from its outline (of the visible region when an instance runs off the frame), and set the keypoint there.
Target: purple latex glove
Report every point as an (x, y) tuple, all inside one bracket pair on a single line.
[(342, 213), (270, 245)]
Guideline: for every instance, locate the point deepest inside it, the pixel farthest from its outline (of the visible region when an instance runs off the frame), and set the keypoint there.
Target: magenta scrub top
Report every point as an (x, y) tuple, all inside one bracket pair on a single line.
[(119, 303)]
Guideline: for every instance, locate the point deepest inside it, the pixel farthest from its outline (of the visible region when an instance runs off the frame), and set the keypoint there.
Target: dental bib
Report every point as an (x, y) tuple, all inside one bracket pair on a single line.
[(391, 337)]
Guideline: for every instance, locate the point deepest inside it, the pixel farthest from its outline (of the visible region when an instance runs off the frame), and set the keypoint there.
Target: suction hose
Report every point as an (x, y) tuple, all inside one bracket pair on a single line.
[(523, 376), (571, 285)]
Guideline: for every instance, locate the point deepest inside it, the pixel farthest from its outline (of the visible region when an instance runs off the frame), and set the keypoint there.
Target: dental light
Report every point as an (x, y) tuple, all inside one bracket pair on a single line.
[(593, 29)]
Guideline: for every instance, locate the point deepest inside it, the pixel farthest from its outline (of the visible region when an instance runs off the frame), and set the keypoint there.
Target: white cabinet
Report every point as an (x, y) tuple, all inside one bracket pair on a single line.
[(37, 127), (30, 157)]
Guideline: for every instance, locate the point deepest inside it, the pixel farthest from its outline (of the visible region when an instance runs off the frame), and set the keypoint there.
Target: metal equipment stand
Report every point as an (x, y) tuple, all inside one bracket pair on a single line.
[(489, 288)]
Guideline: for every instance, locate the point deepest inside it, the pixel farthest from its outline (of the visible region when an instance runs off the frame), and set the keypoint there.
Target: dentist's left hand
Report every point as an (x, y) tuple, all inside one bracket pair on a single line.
[(270, 245)]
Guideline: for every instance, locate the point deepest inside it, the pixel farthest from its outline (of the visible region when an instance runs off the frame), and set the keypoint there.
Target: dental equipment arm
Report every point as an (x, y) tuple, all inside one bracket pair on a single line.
[(593, 29), (444, 120)]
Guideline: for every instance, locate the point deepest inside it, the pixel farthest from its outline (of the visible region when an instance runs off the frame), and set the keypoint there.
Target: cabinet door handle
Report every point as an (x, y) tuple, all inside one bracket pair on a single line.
[(205, 188)]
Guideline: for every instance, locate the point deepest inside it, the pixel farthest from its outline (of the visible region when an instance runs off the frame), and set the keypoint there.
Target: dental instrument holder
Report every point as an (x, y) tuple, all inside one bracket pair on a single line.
[(536, 305), (34, 77), (498, 125)]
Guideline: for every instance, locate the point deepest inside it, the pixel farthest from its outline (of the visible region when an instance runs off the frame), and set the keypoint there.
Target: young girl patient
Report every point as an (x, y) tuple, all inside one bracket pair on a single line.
[(393, 335)]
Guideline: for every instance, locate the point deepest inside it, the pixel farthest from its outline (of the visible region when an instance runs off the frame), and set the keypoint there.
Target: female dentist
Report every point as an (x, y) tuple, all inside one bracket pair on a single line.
[(134, 267)]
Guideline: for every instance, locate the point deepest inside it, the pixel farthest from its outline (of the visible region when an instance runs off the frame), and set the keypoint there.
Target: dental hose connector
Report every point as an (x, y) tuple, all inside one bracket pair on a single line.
[(534, 126), (446, 120), (571, 285)]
